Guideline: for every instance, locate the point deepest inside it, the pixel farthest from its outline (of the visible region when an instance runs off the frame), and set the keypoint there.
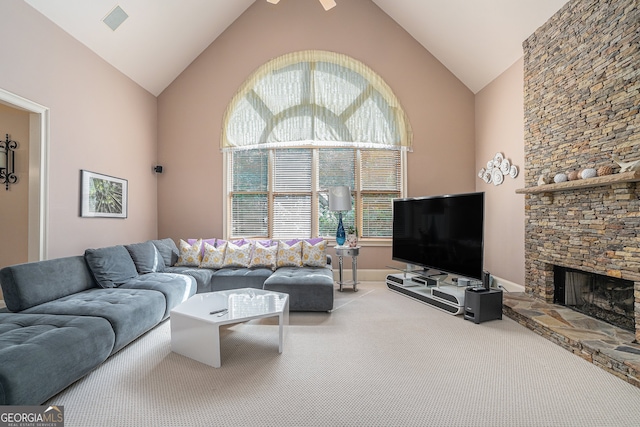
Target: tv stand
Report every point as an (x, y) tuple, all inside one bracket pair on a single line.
[(448, 298)]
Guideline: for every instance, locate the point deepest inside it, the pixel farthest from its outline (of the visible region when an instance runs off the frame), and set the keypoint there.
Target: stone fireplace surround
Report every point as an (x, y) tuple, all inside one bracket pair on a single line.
[(581, 106)]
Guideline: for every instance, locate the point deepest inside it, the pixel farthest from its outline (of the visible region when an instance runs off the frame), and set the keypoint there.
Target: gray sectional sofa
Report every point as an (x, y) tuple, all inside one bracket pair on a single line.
[(66, 316)]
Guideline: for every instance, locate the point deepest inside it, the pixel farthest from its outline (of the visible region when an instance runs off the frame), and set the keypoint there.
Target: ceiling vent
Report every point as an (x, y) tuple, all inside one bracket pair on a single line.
[(116, 17)]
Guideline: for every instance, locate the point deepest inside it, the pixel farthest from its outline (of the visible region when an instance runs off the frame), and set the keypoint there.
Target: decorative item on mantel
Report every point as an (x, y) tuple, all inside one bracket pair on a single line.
[(633, 165), (560, 177), (497, 168), (605, 170), (588, 173)]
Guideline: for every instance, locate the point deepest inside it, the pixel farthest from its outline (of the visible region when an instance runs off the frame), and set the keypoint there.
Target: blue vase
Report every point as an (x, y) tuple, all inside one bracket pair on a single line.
[(340, 235)]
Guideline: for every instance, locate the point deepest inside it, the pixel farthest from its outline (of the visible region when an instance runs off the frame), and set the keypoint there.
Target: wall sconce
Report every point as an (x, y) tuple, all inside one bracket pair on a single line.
[(7, 162)]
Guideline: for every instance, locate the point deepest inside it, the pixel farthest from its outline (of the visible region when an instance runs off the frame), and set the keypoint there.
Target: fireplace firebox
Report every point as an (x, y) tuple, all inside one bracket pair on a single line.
[(606, 298)]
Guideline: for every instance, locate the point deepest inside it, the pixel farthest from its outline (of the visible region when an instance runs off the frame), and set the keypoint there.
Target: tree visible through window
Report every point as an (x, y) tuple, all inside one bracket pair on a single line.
[(301, 124)]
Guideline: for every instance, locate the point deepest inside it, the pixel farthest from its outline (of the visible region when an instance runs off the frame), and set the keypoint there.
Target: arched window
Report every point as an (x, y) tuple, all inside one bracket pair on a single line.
[(305, 122)]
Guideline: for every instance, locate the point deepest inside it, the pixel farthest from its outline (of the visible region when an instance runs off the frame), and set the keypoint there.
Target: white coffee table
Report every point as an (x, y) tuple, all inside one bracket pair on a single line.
[(195, 332)]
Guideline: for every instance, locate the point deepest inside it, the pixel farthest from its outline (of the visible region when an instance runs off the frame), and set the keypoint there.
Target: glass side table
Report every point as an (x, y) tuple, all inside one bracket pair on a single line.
[(342, 251)]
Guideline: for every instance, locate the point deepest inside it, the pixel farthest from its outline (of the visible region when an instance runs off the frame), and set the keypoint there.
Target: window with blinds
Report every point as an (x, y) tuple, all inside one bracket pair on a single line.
[(282, 193)]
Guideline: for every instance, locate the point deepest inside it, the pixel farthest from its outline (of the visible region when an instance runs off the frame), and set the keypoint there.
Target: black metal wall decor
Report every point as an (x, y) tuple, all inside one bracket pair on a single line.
[(7, 162)]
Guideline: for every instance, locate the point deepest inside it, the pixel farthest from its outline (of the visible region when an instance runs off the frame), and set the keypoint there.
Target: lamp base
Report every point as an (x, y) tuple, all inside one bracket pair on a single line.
[(340, 234)]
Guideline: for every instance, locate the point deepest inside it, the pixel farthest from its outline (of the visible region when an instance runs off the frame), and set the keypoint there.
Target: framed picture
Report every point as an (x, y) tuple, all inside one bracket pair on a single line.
[(102, 196)]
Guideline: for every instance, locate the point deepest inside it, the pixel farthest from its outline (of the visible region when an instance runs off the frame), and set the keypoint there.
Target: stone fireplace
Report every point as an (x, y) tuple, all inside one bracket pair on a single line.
[(581, 106)]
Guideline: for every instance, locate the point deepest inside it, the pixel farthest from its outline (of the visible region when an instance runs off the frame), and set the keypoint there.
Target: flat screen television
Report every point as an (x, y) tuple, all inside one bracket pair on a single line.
[(441, 234)]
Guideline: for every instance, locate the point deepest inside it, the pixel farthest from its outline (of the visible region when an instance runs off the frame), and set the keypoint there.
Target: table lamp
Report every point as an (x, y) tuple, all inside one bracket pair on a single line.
[(340, 201)]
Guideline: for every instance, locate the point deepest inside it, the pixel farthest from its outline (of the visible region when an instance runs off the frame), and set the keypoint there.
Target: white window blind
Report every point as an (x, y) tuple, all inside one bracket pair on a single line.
[(288, 202)]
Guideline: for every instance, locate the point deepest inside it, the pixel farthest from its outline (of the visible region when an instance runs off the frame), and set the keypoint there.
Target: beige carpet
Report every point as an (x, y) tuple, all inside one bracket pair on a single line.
[(379, 359)]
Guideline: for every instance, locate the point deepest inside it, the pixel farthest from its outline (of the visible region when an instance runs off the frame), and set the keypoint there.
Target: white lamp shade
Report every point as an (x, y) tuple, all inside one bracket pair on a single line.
[(340, 198)]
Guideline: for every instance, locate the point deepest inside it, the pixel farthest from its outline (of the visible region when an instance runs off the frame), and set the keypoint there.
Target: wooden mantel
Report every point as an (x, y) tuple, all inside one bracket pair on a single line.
[(598, 181)]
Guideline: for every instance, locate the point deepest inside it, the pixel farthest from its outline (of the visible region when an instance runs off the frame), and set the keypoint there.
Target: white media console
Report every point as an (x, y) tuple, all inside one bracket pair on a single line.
[(443, 295)]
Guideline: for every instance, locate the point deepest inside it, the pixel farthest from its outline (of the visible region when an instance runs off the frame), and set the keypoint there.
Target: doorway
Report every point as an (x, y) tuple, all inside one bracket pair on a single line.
[(36, 180)]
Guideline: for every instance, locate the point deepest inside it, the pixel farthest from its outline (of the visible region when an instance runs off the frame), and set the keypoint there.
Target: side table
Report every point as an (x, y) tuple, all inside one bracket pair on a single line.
[(342, 251)]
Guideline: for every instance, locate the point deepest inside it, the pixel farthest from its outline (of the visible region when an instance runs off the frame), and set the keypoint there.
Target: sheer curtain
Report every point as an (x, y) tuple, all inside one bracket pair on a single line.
[(316, 99)]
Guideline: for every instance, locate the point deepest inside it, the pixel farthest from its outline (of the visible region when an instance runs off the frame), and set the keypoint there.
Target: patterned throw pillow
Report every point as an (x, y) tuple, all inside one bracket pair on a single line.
[(289, 256), (237, 256), (190, 255), (314, 255), (264, 256), (213, 256)]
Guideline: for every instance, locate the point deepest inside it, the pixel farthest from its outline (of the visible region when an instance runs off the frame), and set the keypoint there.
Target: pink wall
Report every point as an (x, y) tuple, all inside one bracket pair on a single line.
[(499, 128), (100, 121), (440, 108)]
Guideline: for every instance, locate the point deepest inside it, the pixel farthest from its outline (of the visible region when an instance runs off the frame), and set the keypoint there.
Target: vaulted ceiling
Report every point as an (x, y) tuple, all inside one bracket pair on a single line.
[(475, 39)]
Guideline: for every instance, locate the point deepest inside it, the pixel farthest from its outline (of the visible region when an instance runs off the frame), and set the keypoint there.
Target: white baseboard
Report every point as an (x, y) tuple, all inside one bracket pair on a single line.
[(506, 284), (366, 275)]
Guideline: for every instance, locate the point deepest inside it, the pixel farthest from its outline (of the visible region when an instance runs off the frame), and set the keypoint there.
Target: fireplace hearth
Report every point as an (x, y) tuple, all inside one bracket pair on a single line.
[(606, 298)]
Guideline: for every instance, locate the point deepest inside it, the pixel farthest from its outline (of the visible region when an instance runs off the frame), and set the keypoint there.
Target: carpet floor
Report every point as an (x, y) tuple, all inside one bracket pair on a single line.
[(379, 359)]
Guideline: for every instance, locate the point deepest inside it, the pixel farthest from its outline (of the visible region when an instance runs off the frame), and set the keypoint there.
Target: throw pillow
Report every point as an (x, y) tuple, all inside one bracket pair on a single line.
[(146, 257), (289, 256), (168, 250), (111, 266), (212, 242), (213, 256), (237, 256), (190, 255), (264, 256), (314, 255)]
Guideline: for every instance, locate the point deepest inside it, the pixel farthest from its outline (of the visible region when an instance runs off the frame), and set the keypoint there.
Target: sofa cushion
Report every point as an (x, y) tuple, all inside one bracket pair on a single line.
[(289, 255), (131, 312), (176, 288), (190, 255), (237, 256), (237, 278), (201, 275), (30, 284), (213, 257), (111, 266), (146, 257), (264, 256), (309, 288), (211, 241), (314, 255), (168, 250), (42, 354)]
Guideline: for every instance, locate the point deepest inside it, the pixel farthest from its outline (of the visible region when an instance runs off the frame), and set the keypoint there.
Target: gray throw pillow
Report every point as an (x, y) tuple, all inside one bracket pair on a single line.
[(146, 257), (168, 250), (111, 266)]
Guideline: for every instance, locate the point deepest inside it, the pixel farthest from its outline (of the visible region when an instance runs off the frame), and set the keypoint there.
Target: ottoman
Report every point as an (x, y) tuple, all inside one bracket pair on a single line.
[(309, 288)]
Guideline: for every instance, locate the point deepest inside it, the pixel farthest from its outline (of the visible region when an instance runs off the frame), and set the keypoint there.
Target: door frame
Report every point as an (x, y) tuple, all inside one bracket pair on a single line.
[(38, 172)]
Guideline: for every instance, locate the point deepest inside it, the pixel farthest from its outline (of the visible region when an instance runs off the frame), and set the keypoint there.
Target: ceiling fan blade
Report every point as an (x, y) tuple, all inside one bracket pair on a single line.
[(327, 4), (273, 1)]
